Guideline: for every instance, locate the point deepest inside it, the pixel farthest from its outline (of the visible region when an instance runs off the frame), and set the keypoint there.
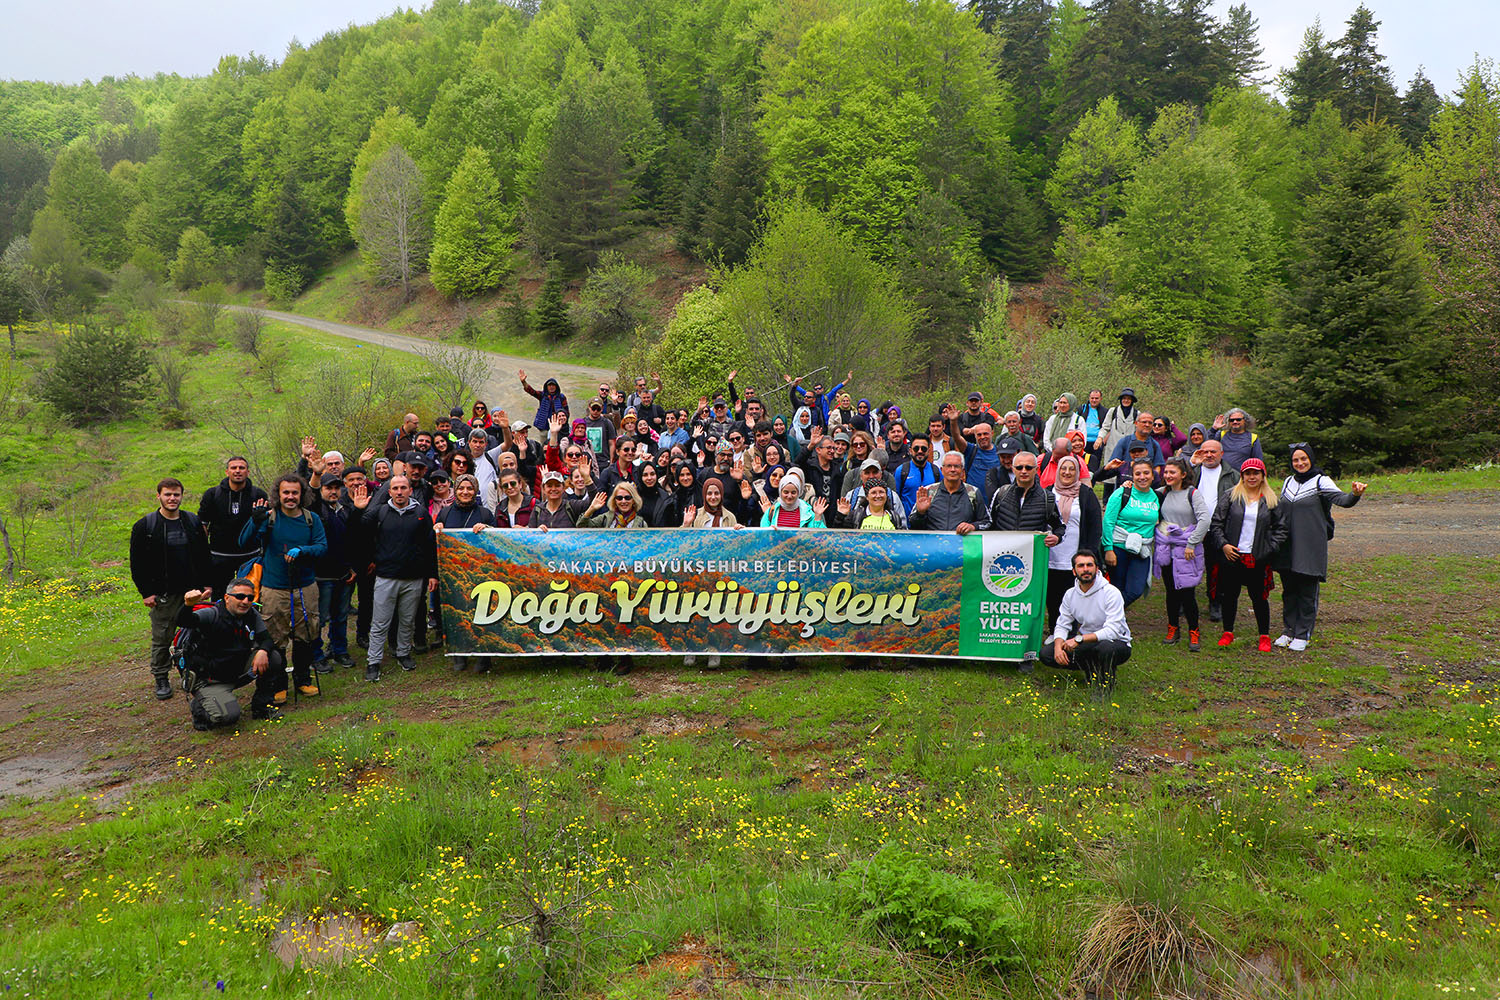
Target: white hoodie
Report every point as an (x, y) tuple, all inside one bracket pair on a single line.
[(1101, 611)]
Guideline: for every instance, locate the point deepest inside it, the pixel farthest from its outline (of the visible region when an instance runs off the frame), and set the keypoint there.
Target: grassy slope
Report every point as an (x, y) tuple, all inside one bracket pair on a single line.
[(679, 812)]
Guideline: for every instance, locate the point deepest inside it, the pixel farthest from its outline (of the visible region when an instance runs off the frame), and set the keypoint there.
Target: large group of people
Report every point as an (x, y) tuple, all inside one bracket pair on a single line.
[(1122, 497)]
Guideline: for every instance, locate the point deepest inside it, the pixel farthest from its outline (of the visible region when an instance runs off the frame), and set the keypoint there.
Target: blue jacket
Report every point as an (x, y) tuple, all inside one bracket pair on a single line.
[(979, 463), (279, 534)]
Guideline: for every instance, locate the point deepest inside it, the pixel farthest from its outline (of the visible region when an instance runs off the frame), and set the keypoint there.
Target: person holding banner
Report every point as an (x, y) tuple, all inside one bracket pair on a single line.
[(621, 510), (1091, 633), (1083, 526), (789, 510), (952, 504)]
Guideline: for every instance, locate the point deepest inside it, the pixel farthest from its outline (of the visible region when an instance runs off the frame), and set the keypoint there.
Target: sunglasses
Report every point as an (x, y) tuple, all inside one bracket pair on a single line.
[(241, 597), (574, 454), (512, 485)]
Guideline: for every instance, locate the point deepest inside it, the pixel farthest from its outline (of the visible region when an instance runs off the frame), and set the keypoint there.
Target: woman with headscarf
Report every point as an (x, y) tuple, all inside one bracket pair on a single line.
[(1307, 497), (684, 479), (799, 435), (1065, 417), (1196, 435), (549, 400), (466, 513), (658, 506), (862, 419), (1078, 448), (621, 510), (892, 416), (1167, 436), (1048, 475), (380, 471), (1032, 422), (1179, 559), (1248, 527), (1083, 526), (780, 431), (789, 510), (712, 513)]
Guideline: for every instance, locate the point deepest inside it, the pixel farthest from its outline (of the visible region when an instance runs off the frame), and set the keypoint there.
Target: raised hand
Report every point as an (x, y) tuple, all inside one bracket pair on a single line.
[(359, 495), (366, 455), (733, 374), (1358, 489), (820, 505), (521, 374), (309, 445), (690, 516), (844, 506), (767, 504), (745, 488), (598, 501), (924, 500)]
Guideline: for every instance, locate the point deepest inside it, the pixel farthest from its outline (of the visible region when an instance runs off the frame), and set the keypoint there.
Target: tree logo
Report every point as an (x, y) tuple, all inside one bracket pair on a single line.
[(1007, 572)]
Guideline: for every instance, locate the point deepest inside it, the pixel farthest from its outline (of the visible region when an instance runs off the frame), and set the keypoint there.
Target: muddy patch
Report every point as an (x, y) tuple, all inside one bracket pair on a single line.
[(335, 939), (693, 963), (41, 776)]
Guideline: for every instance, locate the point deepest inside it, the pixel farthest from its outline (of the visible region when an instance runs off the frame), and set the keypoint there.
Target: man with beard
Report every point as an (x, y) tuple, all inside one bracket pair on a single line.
[(1091, 633), (168, 558), (224, 510)]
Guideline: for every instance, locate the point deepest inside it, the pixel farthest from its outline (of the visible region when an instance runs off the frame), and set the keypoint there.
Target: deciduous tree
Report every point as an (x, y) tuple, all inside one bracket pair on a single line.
[(392, 232)]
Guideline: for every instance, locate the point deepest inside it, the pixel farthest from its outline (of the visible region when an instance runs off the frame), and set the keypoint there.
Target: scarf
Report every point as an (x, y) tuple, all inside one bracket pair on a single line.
[(1067, 494), (1313, 472)]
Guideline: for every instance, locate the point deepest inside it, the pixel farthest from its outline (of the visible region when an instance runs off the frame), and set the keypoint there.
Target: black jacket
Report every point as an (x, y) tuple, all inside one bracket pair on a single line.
[(1229, 518), (334, 563), (1090, 521), (402, 543), (456, 518), (1038, 513), (148, 566), (224, 512), (225, 642)]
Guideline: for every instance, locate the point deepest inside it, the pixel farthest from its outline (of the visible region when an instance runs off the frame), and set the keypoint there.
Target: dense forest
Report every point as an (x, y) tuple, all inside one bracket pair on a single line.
[(866, 181)]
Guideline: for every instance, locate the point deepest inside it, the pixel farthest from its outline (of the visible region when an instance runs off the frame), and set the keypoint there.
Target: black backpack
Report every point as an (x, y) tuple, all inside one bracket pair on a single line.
[(184, 654)]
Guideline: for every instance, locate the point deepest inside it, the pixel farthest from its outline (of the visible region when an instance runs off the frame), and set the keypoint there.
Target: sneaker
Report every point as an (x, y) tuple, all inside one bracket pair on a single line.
[(309, 690), (163, 689), (1265, 644), (1297, 645), (269, 714), (343, 659), (419, 648), (1282, 640), (1192, 640), (1226, 639), (326, 666), (1173, 634), (406, 663), (372, 673)]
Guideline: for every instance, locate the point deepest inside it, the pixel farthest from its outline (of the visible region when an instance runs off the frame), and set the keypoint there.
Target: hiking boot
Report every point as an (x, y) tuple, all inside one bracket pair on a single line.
[(1173, 634), (309, 690), (419, 647), (1215, 613), (279, 697), (1297, 645), (343, 659), (1226, 639), (163, 689), (372, 673), (406, 663), (269, 714), (1265, 644), (201, 725), (1192, 640), (1283, 640)]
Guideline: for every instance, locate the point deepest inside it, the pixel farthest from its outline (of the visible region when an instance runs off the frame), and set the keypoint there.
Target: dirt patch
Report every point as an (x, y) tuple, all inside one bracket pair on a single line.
[(1451, 525), (694, 963), (40, 776)]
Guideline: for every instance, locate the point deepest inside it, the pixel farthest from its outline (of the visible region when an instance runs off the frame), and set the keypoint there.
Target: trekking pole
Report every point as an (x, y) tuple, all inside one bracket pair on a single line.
[(815, 371)]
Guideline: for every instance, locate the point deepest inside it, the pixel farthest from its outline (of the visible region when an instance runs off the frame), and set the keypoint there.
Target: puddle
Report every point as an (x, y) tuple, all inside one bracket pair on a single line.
[(336, 939), (41, 775)]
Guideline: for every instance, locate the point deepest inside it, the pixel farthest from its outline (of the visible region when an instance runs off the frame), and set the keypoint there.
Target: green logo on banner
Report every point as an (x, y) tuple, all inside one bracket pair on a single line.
[(1004, 596)]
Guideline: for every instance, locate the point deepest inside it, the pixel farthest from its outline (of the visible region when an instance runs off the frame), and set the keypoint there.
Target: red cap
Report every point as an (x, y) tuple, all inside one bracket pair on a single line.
[(1253, 463)]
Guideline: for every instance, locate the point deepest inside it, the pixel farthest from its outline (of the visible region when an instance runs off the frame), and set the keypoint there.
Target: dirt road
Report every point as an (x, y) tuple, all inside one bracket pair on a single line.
[(502, 391), (1417, 525)]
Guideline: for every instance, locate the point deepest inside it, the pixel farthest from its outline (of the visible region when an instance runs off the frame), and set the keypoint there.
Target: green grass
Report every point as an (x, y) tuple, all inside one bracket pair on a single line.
[(1485, 476), (556, 830)]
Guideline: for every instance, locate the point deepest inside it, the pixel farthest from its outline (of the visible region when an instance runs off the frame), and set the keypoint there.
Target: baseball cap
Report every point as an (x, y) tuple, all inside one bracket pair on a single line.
[(517, 426), (413, 458), (438, 476), (456, 412), (1136, 444), (868, 464), (975, 397), (1253, 463), (551, 475), (1008, 446), (841, 436)]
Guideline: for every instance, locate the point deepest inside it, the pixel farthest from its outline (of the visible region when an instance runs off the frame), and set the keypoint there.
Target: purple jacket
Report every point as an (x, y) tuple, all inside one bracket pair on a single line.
[(1171, 549)]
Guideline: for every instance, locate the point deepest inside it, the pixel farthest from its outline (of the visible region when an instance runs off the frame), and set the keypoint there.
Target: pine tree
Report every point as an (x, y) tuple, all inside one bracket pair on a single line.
[(584, 202), (1024, 28), (1121, 54), (475, 230), (1418, 107), (1352, 362), (551, 315), (1242, 39), (1313, 78), (943, 274), (1196, 54), (1365, 88), (736, 198)]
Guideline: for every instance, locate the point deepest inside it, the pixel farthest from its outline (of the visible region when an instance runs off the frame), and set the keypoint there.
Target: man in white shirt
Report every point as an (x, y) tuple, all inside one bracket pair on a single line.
[(1214, 479), (1091, 632)]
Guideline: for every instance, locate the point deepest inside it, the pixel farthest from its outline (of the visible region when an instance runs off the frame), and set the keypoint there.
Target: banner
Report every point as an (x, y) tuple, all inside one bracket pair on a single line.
[(681, 590)]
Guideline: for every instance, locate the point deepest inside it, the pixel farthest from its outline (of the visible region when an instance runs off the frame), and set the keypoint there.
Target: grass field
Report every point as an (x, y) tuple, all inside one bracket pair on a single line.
[(1272, 825)]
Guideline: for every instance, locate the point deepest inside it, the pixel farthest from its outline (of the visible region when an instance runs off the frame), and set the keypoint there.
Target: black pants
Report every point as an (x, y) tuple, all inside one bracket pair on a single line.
[(1299, 604), (267, 684), (1090, 656), (223, 571), (1059, 582), (364, 589), (1232, 578), (1180, 602)]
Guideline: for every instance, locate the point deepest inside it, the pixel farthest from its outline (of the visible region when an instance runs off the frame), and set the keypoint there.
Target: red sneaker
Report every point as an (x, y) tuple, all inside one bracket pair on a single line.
[(1226, 639), (1265, 644)]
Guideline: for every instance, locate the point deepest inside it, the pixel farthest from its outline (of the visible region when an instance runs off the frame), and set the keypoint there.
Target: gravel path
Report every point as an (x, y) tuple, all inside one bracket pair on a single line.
[(502, 391)]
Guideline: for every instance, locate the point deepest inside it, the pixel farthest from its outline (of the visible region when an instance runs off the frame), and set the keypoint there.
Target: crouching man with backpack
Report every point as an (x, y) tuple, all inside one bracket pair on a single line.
[(224, 646)]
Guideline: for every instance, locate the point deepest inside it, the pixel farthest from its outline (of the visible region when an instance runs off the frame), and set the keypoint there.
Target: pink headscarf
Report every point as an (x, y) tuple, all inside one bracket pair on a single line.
[(1067, 494)]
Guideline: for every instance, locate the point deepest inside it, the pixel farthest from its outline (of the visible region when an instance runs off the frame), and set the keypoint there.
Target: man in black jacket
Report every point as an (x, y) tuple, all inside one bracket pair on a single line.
[(168, 557), (232, 647), (224, 511), (404, 550), (1026, 505)]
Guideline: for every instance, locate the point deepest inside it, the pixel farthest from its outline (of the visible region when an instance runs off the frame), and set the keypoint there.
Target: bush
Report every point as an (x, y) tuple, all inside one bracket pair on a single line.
[(935, 911), (613, 298), (99, 374), (249, 330), (283, 282), (700, 346)]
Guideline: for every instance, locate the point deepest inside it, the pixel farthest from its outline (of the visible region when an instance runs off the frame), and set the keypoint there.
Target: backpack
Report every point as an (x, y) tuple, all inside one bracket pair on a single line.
[(183, 653)]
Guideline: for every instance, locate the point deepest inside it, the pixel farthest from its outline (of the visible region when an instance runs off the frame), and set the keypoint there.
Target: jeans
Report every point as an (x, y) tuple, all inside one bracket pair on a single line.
[(333, 609), (1132, 574)]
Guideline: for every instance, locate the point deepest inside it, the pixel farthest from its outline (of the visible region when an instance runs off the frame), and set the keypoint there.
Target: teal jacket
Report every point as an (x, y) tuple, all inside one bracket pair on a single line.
[(1131, 510), (279, 534)]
